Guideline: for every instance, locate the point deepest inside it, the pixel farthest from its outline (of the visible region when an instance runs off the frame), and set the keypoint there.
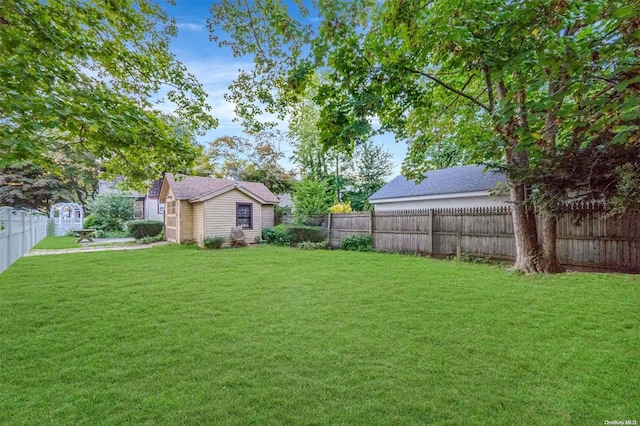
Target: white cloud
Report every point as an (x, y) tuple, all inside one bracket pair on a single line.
[(191, 26)]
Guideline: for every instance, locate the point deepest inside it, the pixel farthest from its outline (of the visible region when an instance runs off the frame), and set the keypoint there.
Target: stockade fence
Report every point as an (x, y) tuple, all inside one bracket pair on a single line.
[(19, 231), (588, 237)]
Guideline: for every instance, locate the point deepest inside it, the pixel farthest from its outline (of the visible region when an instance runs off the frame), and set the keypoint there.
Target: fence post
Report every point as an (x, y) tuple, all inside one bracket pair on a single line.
[(430, 229), (32, 231), (9, 235), (458, 247), (371, 227), (25, 236), (329, 230)]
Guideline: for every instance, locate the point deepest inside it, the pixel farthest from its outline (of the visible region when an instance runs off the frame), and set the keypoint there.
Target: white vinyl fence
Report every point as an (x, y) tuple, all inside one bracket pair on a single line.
[(19, 231)]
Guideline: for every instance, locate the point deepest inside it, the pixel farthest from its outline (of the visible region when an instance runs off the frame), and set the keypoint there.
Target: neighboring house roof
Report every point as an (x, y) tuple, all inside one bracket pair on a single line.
[(198, 188), (156, 186), (455, 180)]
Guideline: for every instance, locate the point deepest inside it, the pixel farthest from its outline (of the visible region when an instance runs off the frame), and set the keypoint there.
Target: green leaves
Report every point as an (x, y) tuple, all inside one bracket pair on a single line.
[(76, 72)]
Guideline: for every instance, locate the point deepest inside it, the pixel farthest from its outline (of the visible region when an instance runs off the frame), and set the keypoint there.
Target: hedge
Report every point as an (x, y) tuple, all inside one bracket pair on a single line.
[(145, 228)]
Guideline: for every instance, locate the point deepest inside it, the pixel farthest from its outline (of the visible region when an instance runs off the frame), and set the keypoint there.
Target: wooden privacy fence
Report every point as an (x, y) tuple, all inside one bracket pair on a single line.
[(588, 238)]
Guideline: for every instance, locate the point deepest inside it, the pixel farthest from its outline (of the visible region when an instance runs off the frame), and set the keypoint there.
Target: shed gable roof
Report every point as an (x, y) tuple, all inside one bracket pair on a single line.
[(445, 181), (193, 188)]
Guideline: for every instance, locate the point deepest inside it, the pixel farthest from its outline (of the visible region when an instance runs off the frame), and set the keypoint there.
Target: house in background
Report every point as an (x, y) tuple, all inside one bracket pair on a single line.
[(200, 207), (145, 206), (457, 187)]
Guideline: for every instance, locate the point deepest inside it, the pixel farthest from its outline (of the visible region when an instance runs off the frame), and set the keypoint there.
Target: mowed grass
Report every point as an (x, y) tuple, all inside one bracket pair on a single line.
[(176, 335), (55, 243)]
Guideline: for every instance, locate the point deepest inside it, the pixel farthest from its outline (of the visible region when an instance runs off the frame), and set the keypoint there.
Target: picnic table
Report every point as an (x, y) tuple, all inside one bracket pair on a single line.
[(84, 234)]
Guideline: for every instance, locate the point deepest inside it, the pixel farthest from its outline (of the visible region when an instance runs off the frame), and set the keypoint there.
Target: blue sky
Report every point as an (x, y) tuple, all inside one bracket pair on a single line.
[(216, 68)]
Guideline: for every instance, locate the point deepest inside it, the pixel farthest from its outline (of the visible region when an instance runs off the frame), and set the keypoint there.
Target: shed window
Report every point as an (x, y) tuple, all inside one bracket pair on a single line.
[(244, 217), (171, 207)]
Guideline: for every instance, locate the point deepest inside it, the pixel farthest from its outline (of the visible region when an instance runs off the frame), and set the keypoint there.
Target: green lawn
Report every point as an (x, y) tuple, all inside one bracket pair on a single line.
[(55, 243), (176, 335)]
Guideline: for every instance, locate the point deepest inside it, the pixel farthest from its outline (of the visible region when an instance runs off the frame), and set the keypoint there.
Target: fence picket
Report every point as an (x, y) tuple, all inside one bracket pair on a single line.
[(588, 238), (19, 231)]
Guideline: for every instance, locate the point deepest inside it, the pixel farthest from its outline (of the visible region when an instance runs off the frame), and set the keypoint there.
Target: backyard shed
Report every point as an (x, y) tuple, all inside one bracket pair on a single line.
[(456, 187), (199, 207)]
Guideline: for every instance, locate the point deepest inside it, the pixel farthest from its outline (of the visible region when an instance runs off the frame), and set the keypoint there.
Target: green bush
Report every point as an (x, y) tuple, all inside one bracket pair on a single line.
[(276, 235), (287, 235), (311, 198), (308, 245), (89, 222), (299, 234), (111, 211), (357, 242), (144, 228), (213, 242), (146, 240), (111, 234), (149, 240)]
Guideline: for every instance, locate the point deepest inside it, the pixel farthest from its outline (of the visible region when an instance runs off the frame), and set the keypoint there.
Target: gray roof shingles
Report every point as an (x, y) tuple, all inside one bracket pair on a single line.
[(445, 181), (193, 187)]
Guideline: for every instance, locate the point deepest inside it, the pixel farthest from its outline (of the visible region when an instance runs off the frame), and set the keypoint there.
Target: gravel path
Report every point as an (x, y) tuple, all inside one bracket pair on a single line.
[(92, 248)]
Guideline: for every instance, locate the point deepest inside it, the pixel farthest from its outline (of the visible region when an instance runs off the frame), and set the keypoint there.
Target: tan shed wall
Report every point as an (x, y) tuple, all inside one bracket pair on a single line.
[(268, 217), (220, 216), (198, 223), (185, 229)]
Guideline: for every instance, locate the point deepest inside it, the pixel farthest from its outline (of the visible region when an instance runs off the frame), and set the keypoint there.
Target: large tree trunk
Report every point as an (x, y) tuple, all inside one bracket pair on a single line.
[(524, 231), (549, 262)]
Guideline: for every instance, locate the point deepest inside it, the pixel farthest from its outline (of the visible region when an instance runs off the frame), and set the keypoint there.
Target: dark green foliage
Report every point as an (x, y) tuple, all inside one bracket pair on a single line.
[(111, 211), (276, 235), (300, 233), (357, 242), (89, 222), (308, 245), (213, 242), (111, 234), (287, 235), (149, 240), (145, 228)]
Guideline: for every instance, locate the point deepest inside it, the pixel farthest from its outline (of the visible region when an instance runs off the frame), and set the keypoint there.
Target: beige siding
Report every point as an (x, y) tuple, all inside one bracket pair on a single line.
[(268, 217), (220, 216), (198, 223), (185, 228)]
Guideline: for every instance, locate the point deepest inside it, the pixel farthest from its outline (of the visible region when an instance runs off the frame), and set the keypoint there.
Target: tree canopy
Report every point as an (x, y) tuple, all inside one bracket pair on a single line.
[(88, 75), (522, 85), (240, 158)]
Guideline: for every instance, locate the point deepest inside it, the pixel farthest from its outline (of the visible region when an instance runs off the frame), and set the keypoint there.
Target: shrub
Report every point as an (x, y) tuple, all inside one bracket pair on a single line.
[(299, 234), (276, 235), (144, 228), (111, 234), (213, 242), (308, 245), (311, 198), (286, 235), (146, 240), (341, 208), (111, 211), (357, 242), (89, 222), (149, 240)]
